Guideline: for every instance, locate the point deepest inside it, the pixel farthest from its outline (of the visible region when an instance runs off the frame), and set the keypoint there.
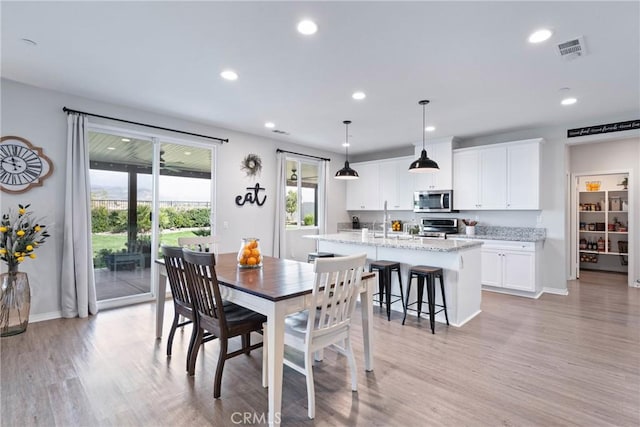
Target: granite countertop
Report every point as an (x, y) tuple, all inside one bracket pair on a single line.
[(516, 234), (399, 242)]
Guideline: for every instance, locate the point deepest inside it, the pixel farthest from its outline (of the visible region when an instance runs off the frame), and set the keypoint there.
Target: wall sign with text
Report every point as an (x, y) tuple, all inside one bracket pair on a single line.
[(610, 127), (252, 196)]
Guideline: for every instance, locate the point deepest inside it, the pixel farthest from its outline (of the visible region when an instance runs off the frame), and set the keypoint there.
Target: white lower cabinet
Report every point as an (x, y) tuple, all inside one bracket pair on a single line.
[(510, 265)]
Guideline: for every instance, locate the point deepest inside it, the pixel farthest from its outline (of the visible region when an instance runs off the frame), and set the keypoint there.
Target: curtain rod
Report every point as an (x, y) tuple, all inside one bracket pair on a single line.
[(68, 110), (300, 154)]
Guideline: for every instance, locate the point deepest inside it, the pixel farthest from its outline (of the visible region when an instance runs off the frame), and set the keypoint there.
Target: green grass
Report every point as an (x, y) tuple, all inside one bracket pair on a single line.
[(116, 242)]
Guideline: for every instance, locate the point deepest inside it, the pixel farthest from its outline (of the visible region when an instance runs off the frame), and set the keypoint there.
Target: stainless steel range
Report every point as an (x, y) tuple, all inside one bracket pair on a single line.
[(438, 228)]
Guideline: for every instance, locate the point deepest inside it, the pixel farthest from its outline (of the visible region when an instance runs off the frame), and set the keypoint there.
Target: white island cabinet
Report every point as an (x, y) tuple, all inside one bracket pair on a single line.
[(460, 261)]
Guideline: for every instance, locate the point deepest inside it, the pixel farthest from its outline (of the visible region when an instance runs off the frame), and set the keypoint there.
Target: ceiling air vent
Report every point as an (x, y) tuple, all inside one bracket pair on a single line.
[(281, 132), (572, 49)]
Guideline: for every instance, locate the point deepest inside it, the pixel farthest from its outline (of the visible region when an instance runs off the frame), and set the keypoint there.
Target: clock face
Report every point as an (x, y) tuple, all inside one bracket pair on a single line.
[(22, 165)]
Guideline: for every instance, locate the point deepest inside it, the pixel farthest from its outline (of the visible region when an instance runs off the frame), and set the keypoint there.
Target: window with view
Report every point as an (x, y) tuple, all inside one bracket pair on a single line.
[(302, 193)]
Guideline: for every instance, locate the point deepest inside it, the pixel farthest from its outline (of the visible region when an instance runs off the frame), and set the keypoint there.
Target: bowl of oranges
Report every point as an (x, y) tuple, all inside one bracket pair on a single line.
[(249, 255)]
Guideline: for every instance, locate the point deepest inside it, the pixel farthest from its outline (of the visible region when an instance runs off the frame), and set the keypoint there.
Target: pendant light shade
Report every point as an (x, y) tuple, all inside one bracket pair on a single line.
[(346, 172), (423, 164)]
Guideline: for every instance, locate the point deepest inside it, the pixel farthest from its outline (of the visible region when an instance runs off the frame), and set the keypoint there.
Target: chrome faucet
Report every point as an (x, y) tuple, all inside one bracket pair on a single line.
[(385, 221)]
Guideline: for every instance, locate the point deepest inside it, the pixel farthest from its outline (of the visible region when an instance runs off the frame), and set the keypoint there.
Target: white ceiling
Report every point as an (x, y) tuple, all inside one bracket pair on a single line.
[(471, 59)]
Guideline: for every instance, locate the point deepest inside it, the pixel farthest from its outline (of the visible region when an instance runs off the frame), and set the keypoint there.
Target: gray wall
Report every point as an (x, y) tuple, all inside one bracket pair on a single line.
[(36, 114)]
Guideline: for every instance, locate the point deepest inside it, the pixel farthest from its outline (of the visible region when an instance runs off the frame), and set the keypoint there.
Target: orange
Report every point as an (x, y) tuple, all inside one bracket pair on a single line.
[(253, 244), (252, 261), (255, 252), (246, 253), (243, 261)]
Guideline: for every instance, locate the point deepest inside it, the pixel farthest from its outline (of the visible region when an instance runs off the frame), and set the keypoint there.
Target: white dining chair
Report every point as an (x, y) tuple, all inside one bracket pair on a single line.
[(199, 243), (336, 287)]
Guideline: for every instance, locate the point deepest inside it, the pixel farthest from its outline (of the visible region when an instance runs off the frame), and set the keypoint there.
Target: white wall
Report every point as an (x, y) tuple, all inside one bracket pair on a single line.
[(36, 114)]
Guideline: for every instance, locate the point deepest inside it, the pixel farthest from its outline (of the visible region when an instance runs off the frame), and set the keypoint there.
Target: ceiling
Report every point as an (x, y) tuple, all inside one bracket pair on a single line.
[(471, 59)]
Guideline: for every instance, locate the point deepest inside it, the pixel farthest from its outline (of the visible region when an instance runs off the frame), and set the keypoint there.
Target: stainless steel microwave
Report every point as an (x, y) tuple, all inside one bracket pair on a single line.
[(433, 201)]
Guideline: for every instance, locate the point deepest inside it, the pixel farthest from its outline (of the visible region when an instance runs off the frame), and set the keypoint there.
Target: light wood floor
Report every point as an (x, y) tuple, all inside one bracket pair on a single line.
[(558, 360)]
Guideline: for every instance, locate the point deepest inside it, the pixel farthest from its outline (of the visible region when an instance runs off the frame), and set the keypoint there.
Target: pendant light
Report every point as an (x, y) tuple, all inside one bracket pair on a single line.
[(424, 164), (346, 172)]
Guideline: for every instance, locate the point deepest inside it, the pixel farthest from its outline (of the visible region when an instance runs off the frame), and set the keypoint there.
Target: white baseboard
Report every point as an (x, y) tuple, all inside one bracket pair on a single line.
[(513, 292), (556, 291), (33, 318), (457, 325)]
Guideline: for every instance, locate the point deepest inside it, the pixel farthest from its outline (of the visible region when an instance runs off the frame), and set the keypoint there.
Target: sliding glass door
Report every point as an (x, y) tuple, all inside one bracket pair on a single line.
[(144, 192)]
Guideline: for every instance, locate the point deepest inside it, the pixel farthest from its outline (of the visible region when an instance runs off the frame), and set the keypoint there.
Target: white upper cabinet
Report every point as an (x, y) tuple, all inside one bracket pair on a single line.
[(363, 193), (466, 185), (523, 176), (381, 180), (497, 177), (396, 183), (493, 183), (442, 153)]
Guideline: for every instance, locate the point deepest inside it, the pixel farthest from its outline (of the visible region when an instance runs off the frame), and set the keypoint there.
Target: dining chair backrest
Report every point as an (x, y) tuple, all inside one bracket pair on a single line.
[(336, 286), (198, 243), (173, 262), (205, 290)]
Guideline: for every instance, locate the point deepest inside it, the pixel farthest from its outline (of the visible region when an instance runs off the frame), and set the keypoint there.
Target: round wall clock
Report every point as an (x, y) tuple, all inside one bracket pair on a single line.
[(22, 165)]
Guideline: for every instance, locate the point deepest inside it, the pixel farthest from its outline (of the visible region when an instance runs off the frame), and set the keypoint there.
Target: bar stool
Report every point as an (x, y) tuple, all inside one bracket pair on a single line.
[(384, 269), (422, 272), (313, 255)]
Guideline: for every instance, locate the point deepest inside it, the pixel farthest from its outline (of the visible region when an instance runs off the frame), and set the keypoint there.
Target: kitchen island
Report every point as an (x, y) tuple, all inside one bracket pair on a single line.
[(460, 261)]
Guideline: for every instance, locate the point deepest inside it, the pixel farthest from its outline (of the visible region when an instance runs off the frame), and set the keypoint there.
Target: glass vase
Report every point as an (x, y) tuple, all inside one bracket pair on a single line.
[(249, 255), (15, 303)]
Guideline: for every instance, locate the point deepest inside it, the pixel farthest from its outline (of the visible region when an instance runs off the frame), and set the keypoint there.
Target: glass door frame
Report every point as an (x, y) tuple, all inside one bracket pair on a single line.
[(156, 140)]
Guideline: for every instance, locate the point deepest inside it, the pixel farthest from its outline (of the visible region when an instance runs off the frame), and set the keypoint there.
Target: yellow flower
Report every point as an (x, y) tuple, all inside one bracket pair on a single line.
[(35, 243), (32, 256), (21, 211), (37, 228), (3, 251), (20, 233), (16, 254), (3, 229), (20, 259), (29, 248)]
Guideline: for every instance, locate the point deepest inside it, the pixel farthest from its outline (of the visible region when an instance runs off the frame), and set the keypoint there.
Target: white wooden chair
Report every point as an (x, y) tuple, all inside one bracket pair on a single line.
[(199, 243), (335, 292)]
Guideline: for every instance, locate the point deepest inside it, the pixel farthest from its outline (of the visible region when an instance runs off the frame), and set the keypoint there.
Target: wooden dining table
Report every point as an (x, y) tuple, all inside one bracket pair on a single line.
[(279, 288)]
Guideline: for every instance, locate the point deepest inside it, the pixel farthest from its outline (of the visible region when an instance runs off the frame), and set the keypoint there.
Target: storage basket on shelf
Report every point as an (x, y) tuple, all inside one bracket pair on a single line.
[(623, 248)]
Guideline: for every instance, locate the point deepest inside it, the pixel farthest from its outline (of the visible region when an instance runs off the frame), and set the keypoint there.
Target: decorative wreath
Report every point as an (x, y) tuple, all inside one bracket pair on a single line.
[(251, 165)]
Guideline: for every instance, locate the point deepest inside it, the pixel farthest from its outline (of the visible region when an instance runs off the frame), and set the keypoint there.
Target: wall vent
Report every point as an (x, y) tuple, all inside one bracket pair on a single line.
[(572, 49)]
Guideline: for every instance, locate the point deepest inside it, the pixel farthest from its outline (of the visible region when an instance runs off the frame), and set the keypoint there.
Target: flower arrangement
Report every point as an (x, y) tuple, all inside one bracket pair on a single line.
[(20, 236)]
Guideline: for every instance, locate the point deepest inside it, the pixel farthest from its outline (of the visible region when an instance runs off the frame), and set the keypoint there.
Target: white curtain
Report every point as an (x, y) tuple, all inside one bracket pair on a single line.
[(279, 231), (77, 279), (323, 181)]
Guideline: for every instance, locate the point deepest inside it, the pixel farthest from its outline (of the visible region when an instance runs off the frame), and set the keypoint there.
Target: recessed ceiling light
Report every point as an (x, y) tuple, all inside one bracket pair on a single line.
[(307, 27), (187, 153), (430, 128), (359, 95), (125, 140), (568, 101), (29, 42), (346, 144), (270, 125), (111, 148), (540, 36), (229, 75)]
